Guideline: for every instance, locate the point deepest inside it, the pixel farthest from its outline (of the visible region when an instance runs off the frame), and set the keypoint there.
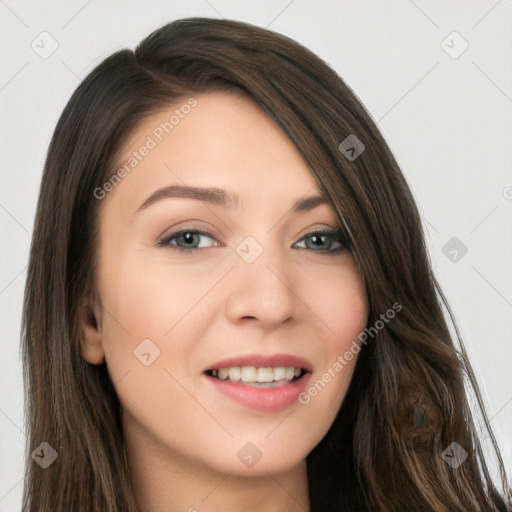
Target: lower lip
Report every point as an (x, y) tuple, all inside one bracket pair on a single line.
[(263, 399)]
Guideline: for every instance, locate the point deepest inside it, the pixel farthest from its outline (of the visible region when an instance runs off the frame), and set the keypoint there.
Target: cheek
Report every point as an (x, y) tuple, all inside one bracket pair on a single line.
[(343, 308), (340, 303), (138, 311), (146, 358), (153, 309), (147, 298)]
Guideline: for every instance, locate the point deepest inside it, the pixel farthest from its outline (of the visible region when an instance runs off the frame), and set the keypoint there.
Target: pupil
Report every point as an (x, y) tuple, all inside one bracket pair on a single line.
[(188, 237), (317, 240)]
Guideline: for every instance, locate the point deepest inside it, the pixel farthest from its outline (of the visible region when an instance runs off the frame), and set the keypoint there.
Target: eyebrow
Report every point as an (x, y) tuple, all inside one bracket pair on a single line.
[(218, 196)]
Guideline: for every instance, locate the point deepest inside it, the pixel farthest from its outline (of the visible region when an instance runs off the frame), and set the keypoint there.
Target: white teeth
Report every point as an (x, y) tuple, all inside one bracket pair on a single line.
[(250, 374), (223, 373), (265, 375), (279, 373), (234, 373)]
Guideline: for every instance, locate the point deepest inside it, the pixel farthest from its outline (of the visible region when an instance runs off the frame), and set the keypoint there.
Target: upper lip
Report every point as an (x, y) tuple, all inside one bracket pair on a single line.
[(263, 360)]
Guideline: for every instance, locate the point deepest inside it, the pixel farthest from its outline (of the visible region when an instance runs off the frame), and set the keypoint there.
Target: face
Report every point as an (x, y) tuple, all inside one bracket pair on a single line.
[(186, 286)]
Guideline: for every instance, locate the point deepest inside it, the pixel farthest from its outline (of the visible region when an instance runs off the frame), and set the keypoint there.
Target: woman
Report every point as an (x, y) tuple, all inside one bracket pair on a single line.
[(258, 370)]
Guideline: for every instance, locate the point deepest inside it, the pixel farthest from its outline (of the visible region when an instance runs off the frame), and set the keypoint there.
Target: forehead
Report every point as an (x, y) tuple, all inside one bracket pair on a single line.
[(221, 140), (213, 125)]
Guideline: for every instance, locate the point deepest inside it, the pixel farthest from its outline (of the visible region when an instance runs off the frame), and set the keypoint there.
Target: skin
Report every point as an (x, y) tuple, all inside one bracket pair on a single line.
[(182, 435)]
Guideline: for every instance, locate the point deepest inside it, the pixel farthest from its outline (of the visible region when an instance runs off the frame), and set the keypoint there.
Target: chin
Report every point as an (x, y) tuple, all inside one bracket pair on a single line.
[(257, 458)]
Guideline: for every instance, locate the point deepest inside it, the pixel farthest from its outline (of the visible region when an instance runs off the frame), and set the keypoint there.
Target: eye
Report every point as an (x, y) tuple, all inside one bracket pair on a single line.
[(189, 237), (324, 240), (330, 241)]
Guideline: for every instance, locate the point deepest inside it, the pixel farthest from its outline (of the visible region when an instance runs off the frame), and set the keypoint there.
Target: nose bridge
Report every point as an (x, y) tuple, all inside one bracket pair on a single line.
[(261, 282)]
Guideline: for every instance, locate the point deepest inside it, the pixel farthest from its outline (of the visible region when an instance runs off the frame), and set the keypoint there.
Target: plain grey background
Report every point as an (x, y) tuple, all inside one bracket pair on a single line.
[(435, 76)]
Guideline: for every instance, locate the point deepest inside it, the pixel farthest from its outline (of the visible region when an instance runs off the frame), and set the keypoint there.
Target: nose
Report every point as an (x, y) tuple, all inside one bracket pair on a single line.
[(262, 290)]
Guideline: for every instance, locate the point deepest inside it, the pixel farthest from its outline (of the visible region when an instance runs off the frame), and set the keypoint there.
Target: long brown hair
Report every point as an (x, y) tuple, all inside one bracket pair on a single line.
[(407, 401)]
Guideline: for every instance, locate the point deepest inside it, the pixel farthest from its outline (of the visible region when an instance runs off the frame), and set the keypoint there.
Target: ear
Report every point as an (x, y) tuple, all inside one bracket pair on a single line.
[(91, 346)]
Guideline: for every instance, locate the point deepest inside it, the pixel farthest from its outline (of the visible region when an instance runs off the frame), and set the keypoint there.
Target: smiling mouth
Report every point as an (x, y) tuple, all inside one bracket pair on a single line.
[(262, 377)]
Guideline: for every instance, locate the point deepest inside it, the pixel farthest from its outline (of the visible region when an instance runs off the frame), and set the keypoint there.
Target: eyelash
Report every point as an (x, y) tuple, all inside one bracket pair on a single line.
[(337, 234)]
